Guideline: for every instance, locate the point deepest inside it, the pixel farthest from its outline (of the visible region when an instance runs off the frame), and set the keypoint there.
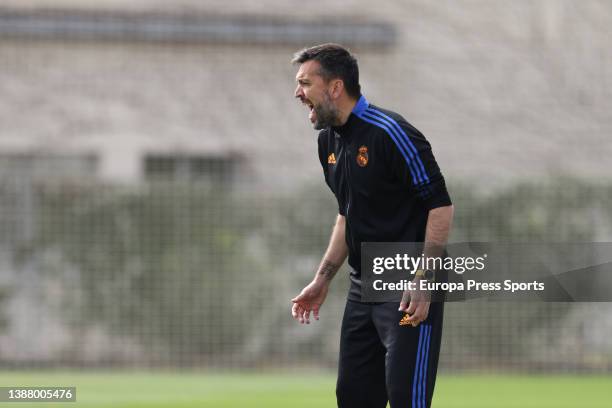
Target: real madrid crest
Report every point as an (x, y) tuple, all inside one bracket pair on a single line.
[(362, 156)]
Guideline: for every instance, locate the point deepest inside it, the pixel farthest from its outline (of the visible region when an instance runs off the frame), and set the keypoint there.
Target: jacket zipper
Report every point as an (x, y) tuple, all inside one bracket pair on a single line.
[(348, 180), (347, 170)]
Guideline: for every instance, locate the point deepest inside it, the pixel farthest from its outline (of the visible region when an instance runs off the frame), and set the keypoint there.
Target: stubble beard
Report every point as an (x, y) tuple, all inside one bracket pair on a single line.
[(327, 114)]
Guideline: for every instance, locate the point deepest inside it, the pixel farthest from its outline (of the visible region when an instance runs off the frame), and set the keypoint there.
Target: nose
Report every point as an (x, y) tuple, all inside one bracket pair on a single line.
[(299, 92)]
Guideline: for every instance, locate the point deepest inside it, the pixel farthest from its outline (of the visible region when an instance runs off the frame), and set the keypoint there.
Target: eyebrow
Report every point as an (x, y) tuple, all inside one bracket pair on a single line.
[(301, 80)]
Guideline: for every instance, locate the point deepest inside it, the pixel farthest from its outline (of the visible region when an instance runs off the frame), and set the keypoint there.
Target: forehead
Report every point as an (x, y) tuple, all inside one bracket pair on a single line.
[(308, 69)]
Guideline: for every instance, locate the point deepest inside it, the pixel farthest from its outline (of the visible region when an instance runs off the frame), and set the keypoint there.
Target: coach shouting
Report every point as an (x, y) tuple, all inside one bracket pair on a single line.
[(389, 189)]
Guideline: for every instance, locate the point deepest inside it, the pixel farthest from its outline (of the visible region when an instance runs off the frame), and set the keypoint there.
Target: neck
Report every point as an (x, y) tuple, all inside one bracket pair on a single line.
[(345, 108)]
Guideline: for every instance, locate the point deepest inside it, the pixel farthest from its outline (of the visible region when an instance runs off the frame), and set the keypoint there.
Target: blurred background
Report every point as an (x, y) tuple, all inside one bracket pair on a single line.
[(161, 199)]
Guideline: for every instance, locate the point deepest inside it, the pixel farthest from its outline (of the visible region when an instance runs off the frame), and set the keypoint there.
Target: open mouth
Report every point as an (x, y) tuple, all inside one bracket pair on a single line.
[(308, 104), (310, 107)]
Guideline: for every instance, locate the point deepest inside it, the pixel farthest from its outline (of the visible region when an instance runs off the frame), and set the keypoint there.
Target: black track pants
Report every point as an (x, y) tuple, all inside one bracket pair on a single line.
[(382, 361)]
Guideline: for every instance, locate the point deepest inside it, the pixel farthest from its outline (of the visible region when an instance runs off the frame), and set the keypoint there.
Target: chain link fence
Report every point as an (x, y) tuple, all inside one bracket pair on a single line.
[(176, 275)]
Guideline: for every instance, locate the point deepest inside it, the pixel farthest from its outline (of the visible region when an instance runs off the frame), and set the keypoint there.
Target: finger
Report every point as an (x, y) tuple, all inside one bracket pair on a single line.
[(419, 315), (422, 308), (300, 313), (413, 318), (315, 312), (294, 310), (411, 308), (419, 311), (303, 315), (307, 316), (423, 311)]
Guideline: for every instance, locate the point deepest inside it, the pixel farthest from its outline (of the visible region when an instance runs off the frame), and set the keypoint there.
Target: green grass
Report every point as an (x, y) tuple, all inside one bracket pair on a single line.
[(169, 390)]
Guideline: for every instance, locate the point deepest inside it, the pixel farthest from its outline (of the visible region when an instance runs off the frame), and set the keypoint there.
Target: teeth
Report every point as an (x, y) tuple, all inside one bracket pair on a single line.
[(308, 104)]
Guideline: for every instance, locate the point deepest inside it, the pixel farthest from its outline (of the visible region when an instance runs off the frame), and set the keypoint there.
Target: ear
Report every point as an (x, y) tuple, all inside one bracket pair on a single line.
[(337, 87)]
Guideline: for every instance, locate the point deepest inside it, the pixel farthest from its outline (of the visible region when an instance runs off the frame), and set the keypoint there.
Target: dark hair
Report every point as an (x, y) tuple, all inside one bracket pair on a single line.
[(336, 62)]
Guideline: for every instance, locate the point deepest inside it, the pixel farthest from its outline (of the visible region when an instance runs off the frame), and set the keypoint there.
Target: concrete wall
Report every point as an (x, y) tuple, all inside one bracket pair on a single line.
[(504, 91)]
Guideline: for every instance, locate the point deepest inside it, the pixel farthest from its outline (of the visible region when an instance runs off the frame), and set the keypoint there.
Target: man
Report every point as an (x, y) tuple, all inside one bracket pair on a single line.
[(389, 189)]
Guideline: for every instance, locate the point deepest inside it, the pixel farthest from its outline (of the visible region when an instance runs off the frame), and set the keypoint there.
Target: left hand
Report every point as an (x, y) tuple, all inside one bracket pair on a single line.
[(416, 303)]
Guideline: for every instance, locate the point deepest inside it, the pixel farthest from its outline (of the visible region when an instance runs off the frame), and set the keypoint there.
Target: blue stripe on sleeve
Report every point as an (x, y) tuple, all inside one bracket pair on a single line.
[(416, 178), (405, 138)]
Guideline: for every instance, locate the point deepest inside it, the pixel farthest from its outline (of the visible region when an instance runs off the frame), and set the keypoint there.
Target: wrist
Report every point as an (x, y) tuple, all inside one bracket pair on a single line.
[(321, 280), (425, 274)]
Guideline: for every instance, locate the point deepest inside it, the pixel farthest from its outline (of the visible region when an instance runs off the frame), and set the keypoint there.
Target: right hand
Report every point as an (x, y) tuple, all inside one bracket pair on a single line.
[(309, 300), (416, 304)]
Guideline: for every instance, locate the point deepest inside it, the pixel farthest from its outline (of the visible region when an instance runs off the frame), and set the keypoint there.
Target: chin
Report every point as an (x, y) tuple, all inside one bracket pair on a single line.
[(318, 126)]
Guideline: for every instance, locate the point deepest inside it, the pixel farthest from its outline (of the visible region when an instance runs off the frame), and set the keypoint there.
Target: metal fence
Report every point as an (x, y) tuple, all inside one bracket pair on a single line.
[(176, 275)]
